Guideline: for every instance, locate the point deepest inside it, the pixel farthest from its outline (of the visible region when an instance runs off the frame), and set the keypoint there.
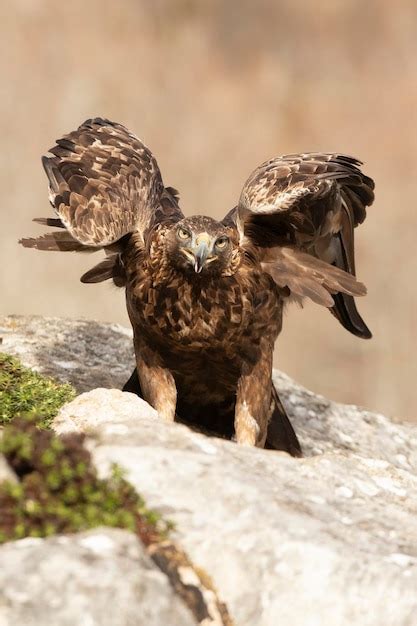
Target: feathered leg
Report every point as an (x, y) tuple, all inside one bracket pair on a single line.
[(253, 401), (156, 383), (280, 435)]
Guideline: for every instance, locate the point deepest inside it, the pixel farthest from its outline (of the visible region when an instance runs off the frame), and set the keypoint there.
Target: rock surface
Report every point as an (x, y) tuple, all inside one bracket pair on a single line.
[(91, 410), (328, 539), (101, 577), (81, 352)]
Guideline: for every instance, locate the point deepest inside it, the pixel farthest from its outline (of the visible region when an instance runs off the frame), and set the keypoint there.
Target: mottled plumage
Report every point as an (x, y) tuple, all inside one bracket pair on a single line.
[(206, 298)]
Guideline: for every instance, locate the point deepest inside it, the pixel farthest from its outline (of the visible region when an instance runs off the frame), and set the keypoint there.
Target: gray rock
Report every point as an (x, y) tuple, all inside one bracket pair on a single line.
[(84, 353), (326, 426), (89, 411), (328, 539), (98, 578)]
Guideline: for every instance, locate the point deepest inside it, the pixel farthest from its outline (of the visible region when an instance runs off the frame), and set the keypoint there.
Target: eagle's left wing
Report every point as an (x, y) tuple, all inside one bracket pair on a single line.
[(297, 213), (104, 183)]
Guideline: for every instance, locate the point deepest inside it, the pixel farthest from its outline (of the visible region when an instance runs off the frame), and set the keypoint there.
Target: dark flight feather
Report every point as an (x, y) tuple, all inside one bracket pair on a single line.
[(281, 434), (347, 314), (100, 272), (110, 268), (344, 308), (49, 221)]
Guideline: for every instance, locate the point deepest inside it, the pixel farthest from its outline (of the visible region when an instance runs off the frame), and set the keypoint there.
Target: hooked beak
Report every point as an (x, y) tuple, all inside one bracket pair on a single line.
[(201, 254)]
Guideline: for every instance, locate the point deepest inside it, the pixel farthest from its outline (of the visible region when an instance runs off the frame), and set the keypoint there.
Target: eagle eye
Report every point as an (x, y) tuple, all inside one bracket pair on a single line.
[(222, 242), (183, 233)]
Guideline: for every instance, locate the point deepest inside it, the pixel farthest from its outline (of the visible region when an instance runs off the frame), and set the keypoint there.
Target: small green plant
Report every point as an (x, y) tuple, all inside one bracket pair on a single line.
[(25, 391), (59, 491)]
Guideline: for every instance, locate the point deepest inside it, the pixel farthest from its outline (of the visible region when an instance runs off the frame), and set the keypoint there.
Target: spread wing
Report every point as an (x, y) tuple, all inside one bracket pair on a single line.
[(104, 183), (298, 213), (305, 196)]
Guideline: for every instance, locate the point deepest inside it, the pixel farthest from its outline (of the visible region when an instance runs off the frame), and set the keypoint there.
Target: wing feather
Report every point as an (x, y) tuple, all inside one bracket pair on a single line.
[(299, 183), (56, 242), (105, 183), (111, 267), (49, 221), (307, 276)]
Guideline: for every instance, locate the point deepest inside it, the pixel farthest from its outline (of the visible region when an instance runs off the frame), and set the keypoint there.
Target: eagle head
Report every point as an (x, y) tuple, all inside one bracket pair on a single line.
[(200, 244)]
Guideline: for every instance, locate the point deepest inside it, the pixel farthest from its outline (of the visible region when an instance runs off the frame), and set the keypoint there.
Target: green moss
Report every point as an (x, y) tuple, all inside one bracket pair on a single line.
[(25, 391), (59, 491)]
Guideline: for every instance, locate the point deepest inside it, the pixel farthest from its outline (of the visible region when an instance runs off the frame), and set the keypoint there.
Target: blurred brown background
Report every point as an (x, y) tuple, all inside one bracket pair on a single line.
[(215, 88)]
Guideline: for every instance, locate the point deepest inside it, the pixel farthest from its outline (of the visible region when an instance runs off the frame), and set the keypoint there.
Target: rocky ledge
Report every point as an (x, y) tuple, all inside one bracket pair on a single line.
[(327, 539)]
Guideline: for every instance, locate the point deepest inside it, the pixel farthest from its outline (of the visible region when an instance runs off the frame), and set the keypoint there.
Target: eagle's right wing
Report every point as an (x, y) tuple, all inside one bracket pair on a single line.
[(104, 183)]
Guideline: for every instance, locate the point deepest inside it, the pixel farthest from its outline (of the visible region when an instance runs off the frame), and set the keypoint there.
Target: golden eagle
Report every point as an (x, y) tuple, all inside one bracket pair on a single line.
[(205, 298)]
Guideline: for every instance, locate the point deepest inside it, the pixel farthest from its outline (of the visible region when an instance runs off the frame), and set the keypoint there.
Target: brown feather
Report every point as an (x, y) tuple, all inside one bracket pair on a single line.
[(56, 242), (100, 272), (307, 276), (105, 183), (110, 268)]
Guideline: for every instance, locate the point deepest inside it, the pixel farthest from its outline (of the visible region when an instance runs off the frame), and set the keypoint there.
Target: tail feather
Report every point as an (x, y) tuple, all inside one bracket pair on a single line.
[(281, 434)]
